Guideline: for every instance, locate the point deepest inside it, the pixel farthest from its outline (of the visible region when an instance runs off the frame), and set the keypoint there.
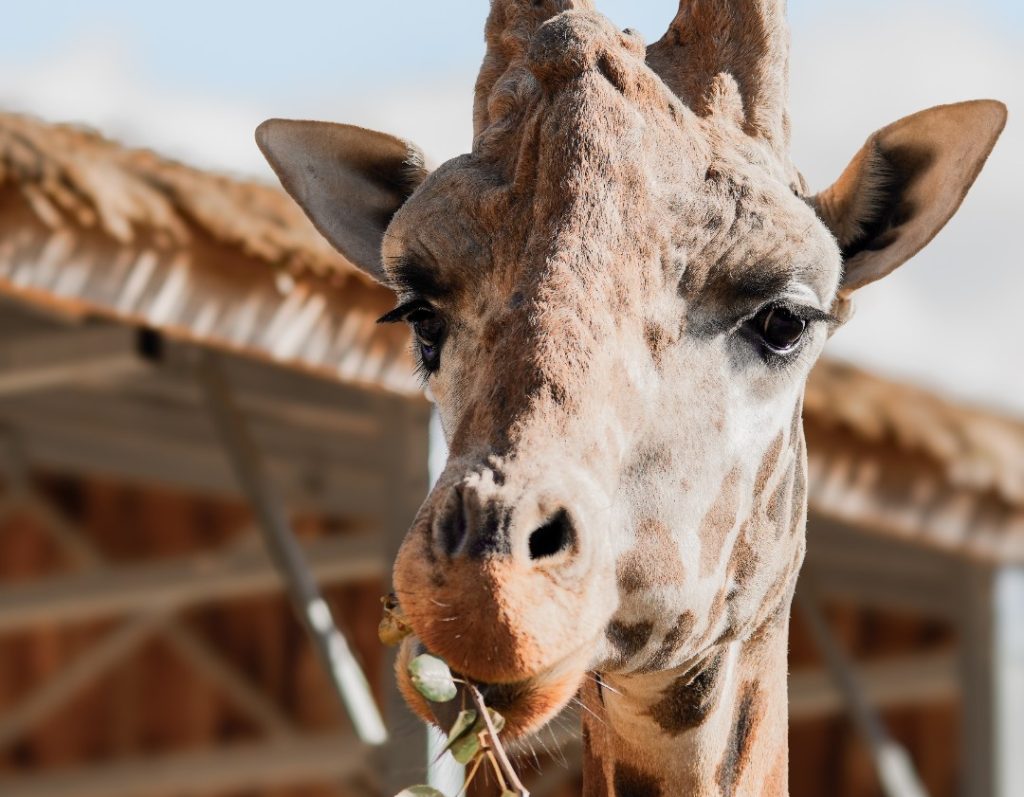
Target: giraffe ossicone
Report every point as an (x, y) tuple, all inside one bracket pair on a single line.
[(616, 297)]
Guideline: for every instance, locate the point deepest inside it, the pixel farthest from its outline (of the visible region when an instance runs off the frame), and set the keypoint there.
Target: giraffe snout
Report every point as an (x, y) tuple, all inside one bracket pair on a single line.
[(505, 573), (476, 523)]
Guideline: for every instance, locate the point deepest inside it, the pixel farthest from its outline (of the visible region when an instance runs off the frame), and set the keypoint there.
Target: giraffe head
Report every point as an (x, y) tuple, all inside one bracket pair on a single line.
[(615, 299)]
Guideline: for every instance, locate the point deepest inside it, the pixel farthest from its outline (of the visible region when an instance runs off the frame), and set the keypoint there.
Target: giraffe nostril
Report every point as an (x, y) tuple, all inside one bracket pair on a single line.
[(553, 537), (453, 525)]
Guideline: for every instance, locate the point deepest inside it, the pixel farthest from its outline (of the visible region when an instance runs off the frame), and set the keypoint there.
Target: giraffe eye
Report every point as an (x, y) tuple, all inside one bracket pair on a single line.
[(779, 327), (428, 327)]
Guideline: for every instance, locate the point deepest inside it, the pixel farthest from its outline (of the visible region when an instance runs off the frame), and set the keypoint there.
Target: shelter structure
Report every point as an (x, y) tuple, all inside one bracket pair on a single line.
[(191, 380)]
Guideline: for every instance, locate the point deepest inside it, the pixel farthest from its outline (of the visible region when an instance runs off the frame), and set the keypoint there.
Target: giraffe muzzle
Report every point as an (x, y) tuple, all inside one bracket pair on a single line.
[(500, 574)]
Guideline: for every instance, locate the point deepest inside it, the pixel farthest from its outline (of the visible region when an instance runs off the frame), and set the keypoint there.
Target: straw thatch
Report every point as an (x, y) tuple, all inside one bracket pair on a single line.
[(71, 175), (903, 461), (88, 227)]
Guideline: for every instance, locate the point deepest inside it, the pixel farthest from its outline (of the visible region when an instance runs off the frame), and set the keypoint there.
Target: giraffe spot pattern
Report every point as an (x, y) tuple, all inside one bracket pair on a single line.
[(799, 498), (657, 339), (768, 464), (749, 710), (595, 783), (718, 522), (743, 565), (630, 574), (655, 562), (628, 639), (690, 699), (777, 505), (676, 637), (628, 781)]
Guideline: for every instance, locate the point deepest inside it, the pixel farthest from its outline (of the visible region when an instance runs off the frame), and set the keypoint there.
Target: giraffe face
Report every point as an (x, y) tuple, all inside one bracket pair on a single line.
[(616, 303), (616, 298)]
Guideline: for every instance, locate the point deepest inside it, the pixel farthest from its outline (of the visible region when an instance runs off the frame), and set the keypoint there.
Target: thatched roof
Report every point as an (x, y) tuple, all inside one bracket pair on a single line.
[(71, 175), (87, 226), (90, 227), (903, 461)]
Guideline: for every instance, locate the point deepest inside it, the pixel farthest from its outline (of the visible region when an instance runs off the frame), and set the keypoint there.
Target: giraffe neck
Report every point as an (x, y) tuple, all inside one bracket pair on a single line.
[(714, 726)]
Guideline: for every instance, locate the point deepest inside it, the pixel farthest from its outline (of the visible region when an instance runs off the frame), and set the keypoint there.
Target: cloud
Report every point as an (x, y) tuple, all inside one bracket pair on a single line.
[(97, 82), (946, 318)]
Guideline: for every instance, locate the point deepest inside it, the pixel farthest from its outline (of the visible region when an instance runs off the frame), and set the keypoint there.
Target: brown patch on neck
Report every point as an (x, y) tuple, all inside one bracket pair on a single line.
[(749, 712), (691, 697), (743, 564), (628, 781), (595, 783), (799, 499), (768, 464), (778, 508), (718, 522), (676, 637), (628, 639), (655, 562)]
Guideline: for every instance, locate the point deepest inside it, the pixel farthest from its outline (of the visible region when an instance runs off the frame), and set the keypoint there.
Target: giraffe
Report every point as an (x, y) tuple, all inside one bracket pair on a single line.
[(615, 299)]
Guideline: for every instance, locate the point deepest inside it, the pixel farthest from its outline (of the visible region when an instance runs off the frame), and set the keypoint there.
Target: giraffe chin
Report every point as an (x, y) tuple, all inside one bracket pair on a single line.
[(526, 704)]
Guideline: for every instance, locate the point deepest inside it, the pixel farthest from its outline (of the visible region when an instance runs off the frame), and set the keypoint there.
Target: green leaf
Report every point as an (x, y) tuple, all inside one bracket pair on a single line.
[(462, 725), (465, 748), (432, 678), (420, 791), (497, 720), (466, 744)]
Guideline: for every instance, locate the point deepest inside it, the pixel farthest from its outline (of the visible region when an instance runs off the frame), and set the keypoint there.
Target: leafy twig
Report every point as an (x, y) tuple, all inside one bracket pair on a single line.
[(495, 744)]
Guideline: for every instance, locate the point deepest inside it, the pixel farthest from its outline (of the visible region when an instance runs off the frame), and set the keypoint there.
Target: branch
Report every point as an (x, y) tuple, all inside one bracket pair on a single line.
[(499, 750)]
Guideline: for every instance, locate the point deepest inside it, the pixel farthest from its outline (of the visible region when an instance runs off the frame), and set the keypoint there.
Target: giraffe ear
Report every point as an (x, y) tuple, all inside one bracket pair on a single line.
[(904, 184), (349, 181)]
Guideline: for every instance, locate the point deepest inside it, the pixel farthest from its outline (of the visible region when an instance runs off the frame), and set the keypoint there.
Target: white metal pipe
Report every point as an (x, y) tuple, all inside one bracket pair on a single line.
[(892, 764), (346, 676)]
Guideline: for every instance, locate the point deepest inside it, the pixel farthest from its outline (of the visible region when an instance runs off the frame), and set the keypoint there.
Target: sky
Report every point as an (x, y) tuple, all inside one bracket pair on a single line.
[(193, 79)]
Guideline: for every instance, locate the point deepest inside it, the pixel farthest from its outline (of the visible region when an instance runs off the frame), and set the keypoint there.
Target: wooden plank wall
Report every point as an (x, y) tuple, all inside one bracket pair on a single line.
[(153, 702), (827, 757)]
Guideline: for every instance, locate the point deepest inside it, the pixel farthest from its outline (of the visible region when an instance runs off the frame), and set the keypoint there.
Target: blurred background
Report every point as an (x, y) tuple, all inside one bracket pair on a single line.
[(122, 485)]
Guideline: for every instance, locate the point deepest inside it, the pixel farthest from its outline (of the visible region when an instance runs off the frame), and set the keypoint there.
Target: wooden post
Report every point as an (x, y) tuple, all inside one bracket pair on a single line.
[(992, 667), (403, 760)]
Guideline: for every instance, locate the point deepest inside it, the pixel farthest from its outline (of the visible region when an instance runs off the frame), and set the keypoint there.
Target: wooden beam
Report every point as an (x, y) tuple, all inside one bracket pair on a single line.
[(59, 688), (292, 397), (320, 439), (255, 766), (251, 700), (992, 673), (179, 583), (876, 571), (306, 481), (45, 361), (1009, 665), (898, 681)]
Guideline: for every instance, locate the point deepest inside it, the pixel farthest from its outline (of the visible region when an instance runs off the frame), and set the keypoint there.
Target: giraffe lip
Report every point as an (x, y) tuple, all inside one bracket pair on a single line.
[(526, 704), (499, 697), (495, 694)]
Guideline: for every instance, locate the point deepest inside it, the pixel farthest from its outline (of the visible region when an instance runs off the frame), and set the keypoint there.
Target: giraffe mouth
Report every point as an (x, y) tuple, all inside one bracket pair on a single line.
[(526, 704)]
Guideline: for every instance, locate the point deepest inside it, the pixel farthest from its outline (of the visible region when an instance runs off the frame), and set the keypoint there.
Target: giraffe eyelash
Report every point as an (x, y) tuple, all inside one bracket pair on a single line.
[(404, 310)]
